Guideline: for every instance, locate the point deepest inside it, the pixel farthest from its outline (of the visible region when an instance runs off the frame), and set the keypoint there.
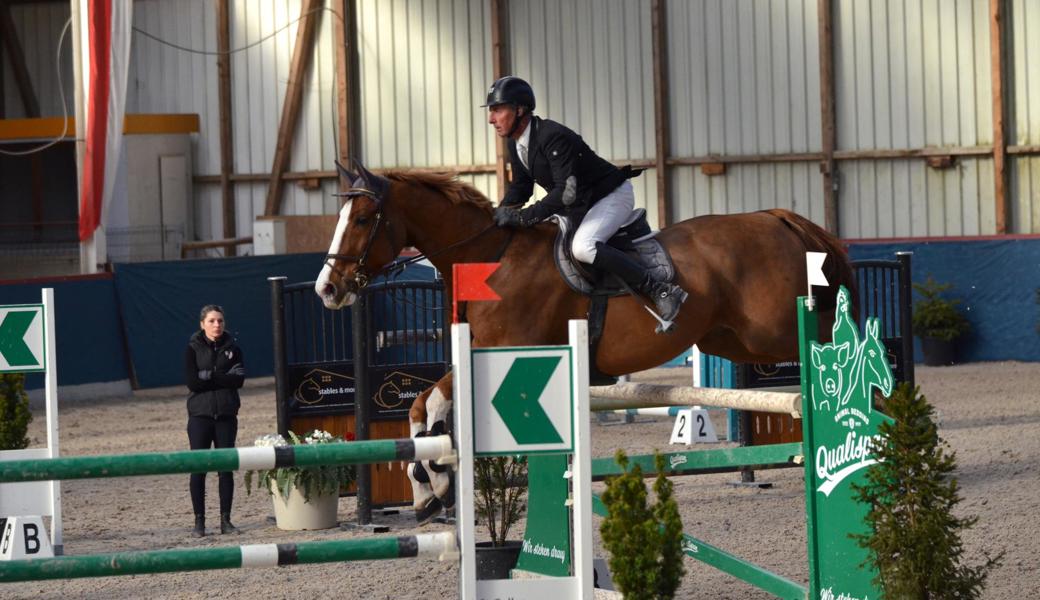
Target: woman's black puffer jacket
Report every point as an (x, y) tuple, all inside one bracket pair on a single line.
[(218, 395)]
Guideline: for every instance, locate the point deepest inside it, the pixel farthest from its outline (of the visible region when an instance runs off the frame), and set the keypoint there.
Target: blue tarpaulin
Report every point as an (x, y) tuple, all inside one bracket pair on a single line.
[(998, 281), (160, 306), (88, 334)]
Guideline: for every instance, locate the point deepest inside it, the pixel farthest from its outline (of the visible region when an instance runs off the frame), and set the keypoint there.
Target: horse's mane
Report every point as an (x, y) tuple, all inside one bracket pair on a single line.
[(448, 184)]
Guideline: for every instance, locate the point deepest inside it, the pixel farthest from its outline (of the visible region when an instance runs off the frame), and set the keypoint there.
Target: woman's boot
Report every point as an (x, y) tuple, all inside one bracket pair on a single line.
[(225, 524), (200, 526)]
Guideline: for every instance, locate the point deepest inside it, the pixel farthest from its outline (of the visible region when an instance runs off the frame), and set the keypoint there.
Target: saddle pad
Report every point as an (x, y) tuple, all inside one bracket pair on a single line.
[(649, 252)]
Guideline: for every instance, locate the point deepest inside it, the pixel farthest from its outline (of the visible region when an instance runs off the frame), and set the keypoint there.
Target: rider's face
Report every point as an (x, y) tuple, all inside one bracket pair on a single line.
[(502, 117)]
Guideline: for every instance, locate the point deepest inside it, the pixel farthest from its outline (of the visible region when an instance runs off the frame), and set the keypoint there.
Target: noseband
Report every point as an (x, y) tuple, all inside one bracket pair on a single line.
[(361, 278)]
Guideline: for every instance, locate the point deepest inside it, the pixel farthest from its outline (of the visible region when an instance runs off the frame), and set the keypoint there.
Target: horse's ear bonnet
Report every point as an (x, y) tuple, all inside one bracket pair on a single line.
[(371, 181), (363, 179), (345, 173)]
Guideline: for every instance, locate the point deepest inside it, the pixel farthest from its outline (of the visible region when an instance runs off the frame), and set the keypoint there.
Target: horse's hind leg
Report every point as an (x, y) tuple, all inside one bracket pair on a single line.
[(431, 483)]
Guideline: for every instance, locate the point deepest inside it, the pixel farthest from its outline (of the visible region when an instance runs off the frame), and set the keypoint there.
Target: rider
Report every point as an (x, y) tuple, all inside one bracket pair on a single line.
[(579, 184)]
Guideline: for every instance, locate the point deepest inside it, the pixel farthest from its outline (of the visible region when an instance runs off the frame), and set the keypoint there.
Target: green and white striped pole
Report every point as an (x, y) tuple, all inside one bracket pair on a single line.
[(432, 545), (226, 459)]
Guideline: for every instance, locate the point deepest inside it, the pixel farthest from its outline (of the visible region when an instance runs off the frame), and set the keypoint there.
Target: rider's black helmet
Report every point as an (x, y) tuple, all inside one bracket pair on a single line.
[(510, 90)]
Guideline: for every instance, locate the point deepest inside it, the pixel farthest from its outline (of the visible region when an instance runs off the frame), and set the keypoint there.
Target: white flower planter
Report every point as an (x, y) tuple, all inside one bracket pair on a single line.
[(294, 514)]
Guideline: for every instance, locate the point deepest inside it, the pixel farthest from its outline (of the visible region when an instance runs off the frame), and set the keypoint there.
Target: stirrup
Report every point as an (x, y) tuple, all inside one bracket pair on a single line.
[(663, 326), (668, 299)]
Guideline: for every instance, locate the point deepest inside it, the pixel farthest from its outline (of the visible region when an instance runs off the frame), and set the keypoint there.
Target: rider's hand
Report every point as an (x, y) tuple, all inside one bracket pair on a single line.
[(507, 216)]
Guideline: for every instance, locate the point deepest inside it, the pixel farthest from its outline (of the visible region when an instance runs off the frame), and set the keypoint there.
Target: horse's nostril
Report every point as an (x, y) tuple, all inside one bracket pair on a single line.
[(328, 289)]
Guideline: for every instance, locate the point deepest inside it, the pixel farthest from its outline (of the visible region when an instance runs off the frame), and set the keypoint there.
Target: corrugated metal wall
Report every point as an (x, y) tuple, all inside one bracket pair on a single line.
[(38, 27), (425, 67), (168, 79), (913, 74), (743, 79), (1023, 90), (590, 64)]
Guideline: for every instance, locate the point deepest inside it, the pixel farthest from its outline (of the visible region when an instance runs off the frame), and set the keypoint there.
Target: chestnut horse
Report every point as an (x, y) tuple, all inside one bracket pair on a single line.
[(742, 272)]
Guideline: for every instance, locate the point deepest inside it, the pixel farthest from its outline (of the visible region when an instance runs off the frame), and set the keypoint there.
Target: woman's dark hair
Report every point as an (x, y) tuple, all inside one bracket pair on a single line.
[(208, 309)]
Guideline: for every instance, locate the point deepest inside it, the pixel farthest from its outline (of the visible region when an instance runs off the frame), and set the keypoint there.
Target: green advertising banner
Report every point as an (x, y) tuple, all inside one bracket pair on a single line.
[(839, 437), (546, 547)]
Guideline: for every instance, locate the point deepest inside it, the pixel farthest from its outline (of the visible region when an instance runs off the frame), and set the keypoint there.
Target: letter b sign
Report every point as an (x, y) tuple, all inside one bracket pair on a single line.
[(24, 537)]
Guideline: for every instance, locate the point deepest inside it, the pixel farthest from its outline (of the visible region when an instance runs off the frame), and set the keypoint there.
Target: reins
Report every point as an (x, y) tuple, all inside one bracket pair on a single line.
[(400, 264)]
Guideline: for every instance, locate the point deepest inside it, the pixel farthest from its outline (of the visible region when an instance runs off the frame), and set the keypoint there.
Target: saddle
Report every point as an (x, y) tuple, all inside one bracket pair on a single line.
[(636, 239)]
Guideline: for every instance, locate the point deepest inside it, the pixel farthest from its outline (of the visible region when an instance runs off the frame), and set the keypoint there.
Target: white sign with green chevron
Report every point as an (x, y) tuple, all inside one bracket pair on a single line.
[(524, 400), (21, 338), (521, 401)]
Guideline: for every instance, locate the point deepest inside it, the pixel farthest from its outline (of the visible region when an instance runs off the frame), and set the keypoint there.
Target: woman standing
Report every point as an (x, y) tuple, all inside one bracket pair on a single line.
[(214, 371)]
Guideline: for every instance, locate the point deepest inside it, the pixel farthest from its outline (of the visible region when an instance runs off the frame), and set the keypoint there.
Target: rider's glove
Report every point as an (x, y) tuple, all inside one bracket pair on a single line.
[(507, 216)]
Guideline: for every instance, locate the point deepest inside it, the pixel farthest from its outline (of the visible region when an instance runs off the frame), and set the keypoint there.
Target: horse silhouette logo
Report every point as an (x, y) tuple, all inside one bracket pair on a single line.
[(848, 369)]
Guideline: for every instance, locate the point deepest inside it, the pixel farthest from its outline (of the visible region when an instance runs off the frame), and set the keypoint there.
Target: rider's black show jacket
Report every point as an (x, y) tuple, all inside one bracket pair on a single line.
[(554, 154)]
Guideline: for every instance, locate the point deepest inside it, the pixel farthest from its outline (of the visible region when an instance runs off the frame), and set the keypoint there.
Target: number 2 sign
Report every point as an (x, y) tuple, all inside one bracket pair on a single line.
[(693, 425)]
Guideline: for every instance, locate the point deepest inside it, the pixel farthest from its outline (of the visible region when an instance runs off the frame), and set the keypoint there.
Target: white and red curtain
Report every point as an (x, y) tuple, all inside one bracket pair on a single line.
[(106, 52)]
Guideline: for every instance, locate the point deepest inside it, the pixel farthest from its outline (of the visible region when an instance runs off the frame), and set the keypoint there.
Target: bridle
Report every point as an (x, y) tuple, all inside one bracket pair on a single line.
[(361, 277)]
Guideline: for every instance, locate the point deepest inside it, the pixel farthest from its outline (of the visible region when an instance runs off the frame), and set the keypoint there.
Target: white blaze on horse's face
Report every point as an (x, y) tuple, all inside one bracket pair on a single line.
[(334, 294)]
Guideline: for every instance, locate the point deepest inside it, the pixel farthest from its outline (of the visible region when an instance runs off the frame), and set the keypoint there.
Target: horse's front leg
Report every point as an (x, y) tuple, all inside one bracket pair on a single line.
[(432, 488)]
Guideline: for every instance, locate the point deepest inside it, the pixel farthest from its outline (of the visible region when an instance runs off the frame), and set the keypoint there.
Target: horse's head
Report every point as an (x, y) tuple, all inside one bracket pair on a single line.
[(876, 370), (364, 242)]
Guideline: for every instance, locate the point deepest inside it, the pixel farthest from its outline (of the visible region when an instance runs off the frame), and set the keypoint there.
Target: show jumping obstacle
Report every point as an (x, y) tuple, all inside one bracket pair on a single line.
[(839, 427), (639, 395), (224, 459), (433, 545), (440, 545)]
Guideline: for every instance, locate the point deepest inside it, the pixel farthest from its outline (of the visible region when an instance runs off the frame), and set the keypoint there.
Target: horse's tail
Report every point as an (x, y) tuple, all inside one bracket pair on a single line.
[(838, 268)]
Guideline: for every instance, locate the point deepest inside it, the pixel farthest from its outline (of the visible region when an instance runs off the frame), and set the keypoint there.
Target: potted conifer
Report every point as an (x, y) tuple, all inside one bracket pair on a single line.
[(501, 485), (14, 412), (938, 323)]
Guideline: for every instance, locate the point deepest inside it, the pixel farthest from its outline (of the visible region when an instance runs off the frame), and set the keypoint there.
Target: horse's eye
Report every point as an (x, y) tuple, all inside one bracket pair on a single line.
[(361, 220)]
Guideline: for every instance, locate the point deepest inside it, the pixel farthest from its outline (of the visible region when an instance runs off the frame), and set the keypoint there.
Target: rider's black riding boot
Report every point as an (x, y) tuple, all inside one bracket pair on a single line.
[(667, 297)]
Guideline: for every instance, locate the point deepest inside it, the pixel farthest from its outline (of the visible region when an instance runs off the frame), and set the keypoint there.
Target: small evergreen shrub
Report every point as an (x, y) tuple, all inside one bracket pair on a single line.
[(936, 317), (14, 412), (645, 542), (915, 543)]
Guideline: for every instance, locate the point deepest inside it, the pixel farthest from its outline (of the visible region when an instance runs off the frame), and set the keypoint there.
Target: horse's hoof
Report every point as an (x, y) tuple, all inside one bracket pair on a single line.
[(448, 498), (668, 327), (428, 512)]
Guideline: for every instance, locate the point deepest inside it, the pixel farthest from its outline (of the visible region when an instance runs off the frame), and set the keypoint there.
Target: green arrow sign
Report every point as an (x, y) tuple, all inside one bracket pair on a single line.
[(517, 400), (12, 338)]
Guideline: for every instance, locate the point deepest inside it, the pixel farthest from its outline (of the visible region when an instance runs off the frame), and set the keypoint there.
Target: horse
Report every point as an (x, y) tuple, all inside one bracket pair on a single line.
[(742, 272)]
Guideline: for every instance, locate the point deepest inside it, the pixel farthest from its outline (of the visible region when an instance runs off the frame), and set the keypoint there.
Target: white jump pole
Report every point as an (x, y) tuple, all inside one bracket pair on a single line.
[(639, 395), (51, 393)]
